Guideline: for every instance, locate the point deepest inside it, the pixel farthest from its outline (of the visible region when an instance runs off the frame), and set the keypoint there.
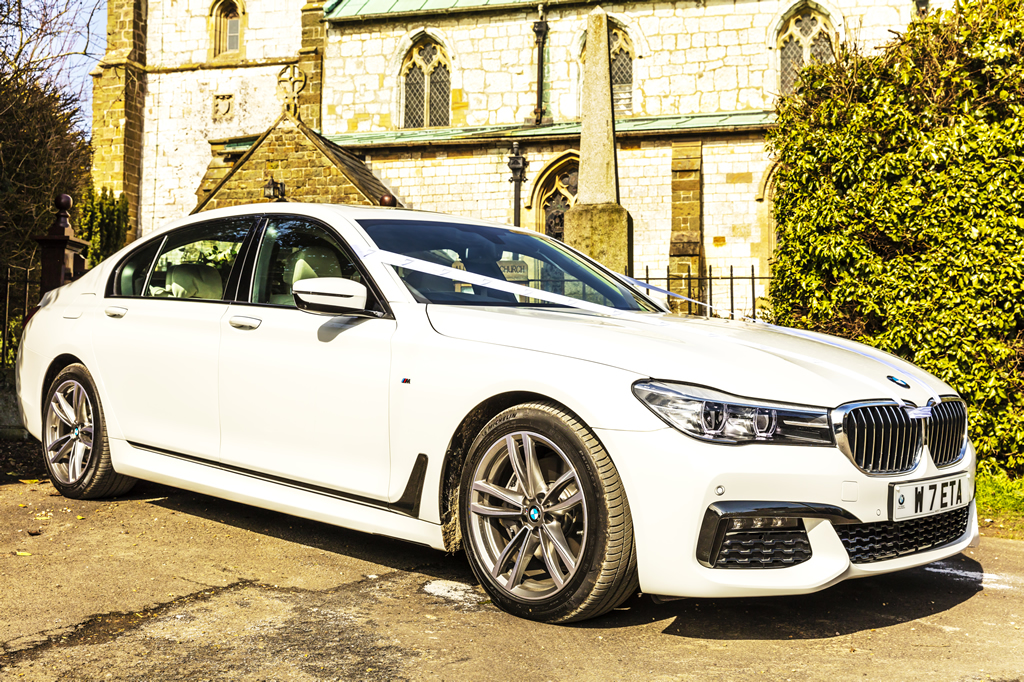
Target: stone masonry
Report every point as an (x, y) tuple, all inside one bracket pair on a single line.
[(287, 155)]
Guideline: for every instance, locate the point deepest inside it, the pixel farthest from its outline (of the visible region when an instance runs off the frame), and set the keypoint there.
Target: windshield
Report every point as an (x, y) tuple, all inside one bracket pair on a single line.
[(523, 258)]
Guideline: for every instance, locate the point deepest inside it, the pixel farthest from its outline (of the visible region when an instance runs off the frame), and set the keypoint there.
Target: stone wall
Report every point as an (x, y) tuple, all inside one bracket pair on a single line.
[(181, 119), (691, 57), (287, 155), (737, 229), (181, 33)]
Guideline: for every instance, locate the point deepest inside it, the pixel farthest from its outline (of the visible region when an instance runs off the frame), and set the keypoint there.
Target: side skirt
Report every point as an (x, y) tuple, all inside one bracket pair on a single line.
[(397, 519)]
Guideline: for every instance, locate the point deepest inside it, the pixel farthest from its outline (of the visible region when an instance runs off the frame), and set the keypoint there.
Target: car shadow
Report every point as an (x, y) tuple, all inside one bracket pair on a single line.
[(849, 607), (378, 549)]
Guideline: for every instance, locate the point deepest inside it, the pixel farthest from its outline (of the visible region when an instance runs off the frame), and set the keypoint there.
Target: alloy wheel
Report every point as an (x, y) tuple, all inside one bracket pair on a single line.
[(69, 432), (528, 515)]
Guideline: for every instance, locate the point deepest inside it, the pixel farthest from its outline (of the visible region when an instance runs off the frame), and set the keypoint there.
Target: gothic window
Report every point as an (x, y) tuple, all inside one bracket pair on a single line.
[(426, 87), (622, 72), (227, 28), (804, 39), (621, 55), (558, 197)]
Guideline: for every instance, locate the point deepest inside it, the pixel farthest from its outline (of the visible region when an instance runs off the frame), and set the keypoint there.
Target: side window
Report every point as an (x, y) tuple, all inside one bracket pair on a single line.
[(131, 276), (293, 249), (195, 262)]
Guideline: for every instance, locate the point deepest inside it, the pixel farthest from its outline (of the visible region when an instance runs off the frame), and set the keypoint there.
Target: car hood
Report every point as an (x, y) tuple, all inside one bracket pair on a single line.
[(746, 359)]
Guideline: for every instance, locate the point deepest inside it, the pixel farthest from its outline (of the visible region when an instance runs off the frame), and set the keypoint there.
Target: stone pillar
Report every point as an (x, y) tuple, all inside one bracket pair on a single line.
[(597, 225), (311, 61), (118, 104), (684, 252)]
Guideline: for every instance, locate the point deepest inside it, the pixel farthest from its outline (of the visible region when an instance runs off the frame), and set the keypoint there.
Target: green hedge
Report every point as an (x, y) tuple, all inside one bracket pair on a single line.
[(899, 202)]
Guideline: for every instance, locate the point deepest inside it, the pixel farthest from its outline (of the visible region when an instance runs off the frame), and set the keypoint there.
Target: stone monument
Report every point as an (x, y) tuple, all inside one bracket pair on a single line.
[(597, 225)]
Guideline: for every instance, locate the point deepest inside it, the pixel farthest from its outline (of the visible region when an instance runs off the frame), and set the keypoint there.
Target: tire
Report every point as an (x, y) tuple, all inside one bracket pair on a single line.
[(550, 537), (75, 446)]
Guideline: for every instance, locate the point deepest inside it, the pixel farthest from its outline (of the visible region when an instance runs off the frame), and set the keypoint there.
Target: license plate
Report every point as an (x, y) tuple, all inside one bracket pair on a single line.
[(929, 496)]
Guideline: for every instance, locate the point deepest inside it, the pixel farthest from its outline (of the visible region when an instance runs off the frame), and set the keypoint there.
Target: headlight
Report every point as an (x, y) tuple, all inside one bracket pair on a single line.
[(711, 415)]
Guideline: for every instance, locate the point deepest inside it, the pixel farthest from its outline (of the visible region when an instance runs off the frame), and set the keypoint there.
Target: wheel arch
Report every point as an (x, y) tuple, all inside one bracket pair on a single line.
[(56, 365), (455, 456)]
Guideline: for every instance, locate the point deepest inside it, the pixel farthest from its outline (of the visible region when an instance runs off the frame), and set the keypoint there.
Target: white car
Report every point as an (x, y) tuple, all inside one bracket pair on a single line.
[(456, 383)]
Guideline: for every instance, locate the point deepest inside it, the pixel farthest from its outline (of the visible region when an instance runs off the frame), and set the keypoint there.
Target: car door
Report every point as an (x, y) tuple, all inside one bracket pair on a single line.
[(158, 338), (304, 397)]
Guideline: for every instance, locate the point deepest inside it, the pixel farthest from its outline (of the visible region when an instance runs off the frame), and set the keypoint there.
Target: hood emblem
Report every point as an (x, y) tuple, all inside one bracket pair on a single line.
[(899, 382)]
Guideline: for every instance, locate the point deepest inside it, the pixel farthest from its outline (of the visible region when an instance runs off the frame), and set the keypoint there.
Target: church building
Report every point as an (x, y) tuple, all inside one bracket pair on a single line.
[(201, 104)]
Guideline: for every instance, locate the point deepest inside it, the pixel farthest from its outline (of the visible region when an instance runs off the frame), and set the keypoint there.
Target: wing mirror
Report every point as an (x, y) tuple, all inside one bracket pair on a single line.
[(329, 296)]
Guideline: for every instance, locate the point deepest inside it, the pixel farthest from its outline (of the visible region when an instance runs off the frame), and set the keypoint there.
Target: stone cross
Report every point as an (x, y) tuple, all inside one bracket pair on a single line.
[(597, 225), (290, 83)]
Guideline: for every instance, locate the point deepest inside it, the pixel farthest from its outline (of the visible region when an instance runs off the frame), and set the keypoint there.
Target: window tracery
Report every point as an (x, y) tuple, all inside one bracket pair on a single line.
[(426, 87), (805, 38)]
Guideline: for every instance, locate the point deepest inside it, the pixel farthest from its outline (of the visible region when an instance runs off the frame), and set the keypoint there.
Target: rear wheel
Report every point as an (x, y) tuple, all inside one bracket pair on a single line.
[(75, 446), (545, 521)]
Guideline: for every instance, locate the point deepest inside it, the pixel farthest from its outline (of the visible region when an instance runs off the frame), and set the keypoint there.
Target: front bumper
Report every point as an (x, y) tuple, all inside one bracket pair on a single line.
[(673, 481)]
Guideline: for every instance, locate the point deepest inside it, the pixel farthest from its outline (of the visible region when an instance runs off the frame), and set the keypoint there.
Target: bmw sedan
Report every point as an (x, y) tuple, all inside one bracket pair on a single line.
[(461, 384)]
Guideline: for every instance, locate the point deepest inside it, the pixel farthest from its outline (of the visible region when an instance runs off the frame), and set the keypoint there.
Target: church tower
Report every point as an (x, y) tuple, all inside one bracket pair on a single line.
[(119, 87)]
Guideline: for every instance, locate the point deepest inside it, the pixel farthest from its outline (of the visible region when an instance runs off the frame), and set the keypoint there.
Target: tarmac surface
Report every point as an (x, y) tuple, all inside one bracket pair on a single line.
[(169, 585)]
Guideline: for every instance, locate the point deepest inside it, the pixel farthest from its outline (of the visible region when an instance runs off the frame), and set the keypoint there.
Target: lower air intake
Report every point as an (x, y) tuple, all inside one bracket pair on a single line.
[(868, 542), (766, 549)]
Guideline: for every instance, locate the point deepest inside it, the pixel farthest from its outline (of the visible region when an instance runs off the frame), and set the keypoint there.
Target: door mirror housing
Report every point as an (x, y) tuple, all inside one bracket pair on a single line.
[(330, 296)]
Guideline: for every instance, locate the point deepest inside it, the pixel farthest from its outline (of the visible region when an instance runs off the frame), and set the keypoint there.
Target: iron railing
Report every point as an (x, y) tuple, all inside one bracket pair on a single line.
[(706, 292), (20, 292)]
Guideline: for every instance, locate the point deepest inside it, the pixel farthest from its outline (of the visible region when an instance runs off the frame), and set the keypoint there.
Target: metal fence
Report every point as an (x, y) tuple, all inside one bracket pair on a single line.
[(20, 290), (731, 295)]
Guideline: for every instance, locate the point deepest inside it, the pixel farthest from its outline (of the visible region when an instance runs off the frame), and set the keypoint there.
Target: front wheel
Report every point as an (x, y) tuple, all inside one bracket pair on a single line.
[(545, 520), (75, 445)]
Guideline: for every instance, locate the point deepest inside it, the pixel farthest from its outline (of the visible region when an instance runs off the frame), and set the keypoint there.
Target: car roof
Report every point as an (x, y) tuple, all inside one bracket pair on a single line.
[(326, 212)]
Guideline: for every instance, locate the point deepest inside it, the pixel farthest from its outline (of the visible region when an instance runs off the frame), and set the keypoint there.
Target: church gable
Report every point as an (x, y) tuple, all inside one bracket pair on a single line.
[(312, 169)]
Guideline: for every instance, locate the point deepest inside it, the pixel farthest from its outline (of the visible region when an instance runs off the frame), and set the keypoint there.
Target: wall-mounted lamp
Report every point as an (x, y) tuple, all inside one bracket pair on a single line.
[(273, 190)]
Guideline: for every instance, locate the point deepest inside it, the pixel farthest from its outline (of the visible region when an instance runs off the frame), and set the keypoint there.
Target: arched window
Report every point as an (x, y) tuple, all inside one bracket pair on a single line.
[(804, 38), (426, 86), (558, 195), (621, 55), (227, 22)]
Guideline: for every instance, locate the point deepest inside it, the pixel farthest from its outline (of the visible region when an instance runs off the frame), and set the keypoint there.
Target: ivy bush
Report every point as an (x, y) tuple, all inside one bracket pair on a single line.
[(899, 203)]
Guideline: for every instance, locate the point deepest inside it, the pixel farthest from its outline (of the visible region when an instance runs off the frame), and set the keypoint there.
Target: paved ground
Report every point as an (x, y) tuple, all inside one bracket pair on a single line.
[(167, 585)]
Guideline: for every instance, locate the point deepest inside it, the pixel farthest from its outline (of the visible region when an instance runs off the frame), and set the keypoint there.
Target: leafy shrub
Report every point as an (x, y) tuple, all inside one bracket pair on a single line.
[(899, 202), (103, 223)]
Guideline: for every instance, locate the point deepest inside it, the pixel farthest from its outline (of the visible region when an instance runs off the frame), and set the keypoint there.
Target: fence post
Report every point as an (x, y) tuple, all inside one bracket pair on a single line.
[(61, 256), (753, 296), (711, 295), (732, 295)]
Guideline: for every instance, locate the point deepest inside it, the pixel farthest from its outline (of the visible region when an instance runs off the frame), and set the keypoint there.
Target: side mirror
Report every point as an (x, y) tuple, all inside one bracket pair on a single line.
[(329, 296)]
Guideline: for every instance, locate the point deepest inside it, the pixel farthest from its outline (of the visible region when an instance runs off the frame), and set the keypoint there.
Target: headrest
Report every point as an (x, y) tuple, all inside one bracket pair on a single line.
[(315, 261)]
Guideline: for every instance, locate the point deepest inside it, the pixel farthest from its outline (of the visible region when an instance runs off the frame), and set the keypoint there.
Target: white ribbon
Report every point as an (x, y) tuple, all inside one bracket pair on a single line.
[(426, 267)]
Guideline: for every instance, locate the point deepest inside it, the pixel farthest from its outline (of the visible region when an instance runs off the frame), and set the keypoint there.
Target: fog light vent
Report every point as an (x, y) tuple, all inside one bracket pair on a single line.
[(764, 549)]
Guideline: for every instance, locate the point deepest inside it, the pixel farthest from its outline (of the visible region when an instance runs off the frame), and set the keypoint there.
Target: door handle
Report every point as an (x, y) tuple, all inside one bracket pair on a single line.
[(115, 311), (246, 323)]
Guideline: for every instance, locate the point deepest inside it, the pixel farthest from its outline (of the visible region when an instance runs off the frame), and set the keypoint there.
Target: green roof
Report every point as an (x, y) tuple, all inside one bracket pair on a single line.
[(339, 10), (625, 126)]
